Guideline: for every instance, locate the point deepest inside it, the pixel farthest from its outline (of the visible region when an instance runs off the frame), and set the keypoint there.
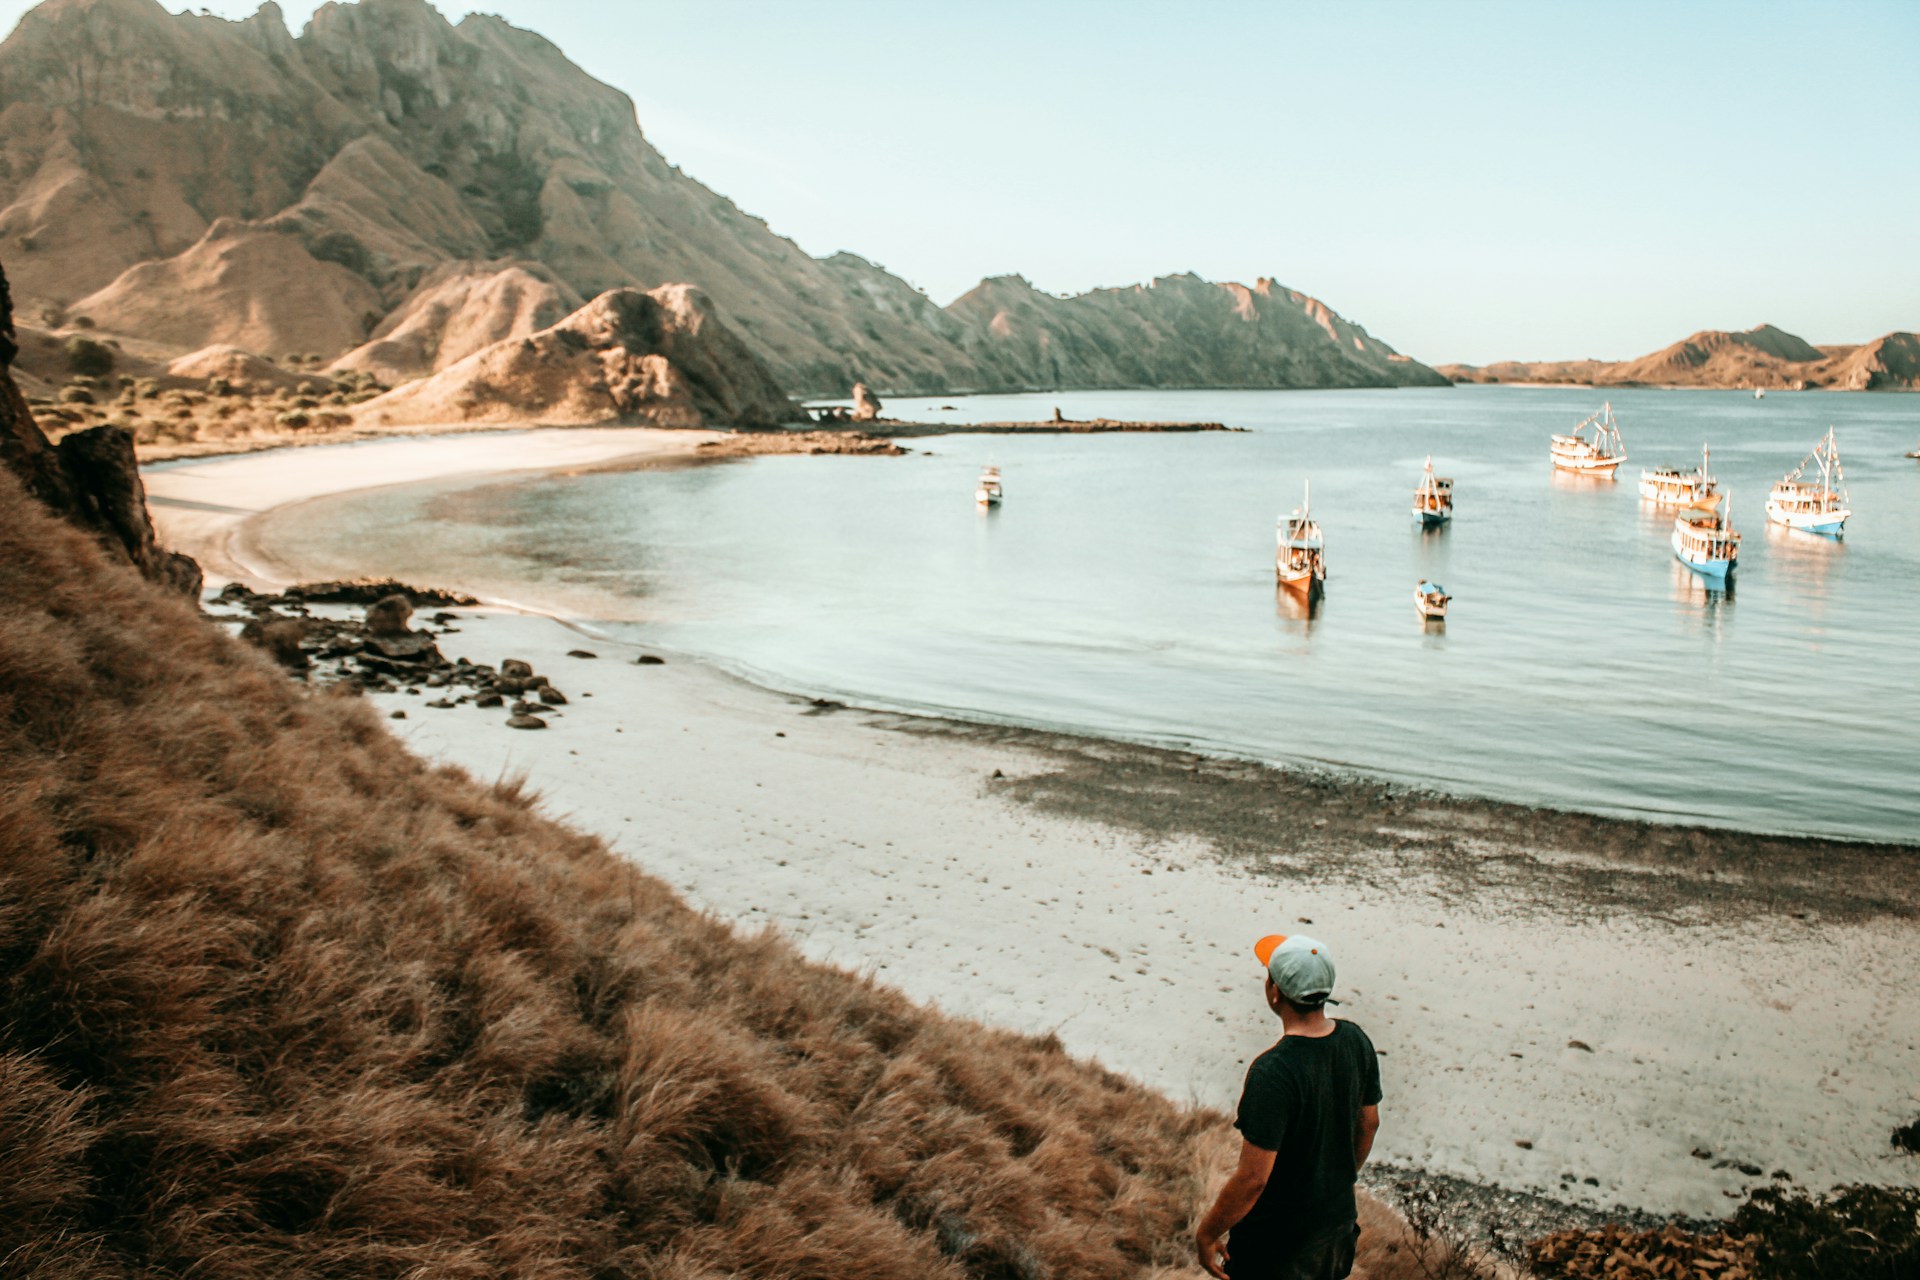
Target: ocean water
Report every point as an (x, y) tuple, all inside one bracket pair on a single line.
[(1126, 588)]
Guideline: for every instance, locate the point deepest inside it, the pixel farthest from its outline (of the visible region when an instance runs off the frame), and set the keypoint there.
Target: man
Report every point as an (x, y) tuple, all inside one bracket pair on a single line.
[(1307, 1117)]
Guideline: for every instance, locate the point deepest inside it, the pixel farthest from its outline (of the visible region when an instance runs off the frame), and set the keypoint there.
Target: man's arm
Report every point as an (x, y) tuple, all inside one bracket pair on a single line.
[(1363, 1138), (1243, 1188)]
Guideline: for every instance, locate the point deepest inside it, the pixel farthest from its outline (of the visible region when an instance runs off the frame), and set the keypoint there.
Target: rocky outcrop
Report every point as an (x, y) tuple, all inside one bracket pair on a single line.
[(1764, 358), (866, 405), (199, 181), (659, 358), (90, 478)]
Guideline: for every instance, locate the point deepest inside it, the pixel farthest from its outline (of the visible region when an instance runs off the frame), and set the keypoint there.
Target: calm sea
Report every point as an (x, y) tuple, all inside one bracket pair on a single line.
[(1126, 588)]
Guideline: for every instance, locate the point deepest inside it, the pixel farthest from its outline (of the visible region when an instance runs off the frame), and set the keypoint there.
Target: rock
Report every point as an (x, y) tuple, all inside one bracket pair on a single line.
[(280, 637), (441, 704), (1523, 1144), (397, 715), (1701, 1153), (581, 653), (442, 618), (388, 616), (514, 669), (521, 720), (413, 647), (489, 700), (866, 405), (1581, 1045), (551, 696), (648, 660)]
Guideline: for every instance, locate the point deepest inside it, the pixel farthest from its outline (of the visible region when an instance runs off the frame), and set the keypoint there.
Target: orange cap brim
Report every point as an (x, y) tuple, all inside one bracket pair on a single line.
[(1265, 948)]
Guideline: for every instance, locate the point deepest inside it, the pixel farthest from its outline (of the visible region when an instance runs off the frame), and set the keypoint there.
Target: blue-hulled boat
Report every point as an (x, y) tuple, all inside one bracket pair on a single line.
[(1817, 506), (1704, 538), (1433, 500)]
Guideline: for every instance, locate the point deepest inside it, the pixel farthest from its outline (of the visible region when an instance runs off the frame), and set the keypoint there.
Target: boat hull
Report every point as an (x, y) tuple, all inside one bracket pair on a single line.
[(1717, 569), (1830, 523), (1599, 470), (1431, 519), (1303, 583)]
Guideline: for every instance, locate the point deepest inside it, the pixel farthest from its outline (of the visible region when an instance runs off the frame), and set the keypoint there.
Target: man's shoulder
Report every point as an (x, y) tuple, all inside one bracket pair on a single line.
[(1353, 1029)]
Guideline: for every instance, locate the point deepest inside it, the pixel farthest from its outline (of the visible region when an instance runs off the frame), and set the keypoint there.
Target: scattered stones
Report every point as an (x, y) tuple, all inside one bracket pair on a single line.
[(520, 721)]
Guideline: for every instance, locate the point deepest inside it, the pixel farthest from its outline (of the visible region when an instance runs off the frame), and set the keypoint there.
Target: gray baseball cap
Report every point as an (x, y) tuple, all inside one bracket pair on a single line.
[(1300, 966)]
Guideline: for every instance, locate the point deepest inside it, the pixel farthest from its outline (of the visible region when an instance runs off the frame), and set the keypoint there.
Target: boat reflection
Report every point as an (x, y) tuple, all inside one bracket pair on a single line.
[(1804, 562), (1705, 601), (1298, 609)]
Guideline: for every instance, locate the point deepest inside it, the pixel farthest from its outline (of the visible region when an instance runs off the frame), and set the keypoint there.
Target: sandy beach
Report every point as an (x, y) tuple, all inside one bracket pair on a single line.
[(1605, 1012)]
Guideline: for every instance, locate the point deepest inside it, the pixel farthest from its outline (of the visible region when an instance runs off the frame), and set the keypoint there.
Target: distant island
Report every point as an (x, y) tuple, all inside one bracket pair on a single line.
[(368, 200), (1763, 358)]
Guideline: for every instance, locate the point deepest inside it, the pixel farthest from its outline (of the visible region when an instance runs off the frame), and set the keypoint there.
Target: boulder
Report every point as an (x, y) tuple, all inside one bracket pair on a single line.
[(866, 405), (388, 616)]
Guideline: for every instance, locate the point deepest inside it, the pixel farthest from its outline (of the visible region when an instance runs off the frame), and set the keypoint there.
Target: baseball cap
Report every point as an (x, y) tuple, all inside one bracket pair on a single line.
[(1300, 966)]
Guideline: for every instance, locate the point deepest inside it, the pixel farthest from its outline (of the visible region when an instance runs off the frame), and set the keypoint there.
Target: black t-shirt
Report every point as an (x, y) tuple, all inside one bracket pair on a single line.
[(1302, 1100)]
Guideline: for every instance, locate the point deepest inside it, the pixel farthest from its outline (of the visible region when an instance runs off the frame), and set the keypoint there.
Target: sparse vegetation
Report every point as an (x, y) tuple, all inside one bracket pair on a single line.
[(88, 358), (1852, 1233)]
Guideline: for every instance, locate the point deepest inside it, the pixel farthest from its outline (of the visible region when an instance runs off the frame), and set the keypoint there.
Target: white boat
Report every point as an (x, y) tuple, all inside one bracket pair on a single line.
[(1704, 538), (1817, 506), (1672, 487), (989, 492), (1759, 393), (1301, 561), (1431, 599), (1433, 500), (1600, 456)]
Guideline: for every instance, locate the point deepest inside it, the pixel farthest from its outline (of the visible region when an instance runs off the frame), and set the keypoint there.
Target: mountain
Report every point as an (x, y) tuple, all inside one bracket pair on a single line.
[(395, 191), (1763, 357)]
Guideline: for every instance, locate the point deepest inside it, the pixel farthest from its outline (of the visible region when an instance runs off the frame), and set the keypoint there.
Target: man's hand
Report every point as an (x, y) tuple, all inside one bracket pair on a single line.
[(1243, 1188), (1213, 1252)]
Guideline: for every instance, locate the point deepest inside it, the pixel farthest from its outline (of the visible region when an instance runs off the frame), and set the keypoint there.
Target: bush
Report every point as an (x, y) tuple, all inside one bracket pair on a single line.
[(294, 420), (75, 395), (1852, 1233), (88, 358)]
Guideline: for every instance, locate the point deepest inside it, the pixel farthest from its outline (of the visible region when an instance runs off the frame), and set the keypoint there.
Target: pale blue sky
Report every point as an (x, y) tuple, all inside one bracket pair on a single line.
[(1470, 181)]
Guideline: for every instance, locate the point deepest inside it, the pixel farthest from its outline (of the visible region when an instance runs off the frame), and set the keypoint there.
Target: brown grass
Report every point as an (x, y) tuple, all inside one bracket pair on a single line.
[(279, 999)]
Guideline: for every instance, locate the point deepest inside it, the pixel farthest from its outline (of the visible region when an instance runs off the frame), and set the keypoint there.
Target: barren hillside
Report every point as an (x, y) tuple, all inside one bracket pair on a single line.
[(199, 181), (1764, 358)]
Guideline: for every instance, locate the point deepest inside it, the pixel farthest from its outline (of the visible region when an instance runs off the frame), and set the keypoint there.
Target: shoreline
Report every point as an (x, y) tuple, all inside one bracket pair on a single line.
[(1001, 872)]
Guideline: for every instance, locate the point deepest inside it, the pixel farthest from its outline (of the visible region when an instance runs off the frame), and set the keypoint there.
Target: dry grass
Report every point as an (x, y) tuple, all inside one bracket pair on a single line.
[(277, 998)]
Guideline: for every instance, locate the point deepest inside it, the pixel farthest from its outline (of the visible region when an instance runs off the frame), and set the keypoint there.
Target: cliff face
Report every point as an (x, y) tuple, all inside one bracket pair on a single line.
[(89, 479), (204, 181), (1763, 357)]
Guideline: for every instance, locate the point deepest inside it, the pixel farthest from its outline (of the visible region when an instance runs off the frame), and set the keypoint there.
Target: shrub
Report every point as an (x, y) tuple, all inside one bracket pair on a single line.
[(75, 395), (89, 358), (1852, 1233), (294, 419)]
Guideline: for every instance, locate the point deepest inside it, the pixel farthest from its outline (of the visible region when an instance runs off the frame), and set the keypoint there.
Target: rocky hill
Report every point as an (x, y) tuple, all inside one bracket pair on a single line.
[(659, 359), (1764, 357), (394, 191)]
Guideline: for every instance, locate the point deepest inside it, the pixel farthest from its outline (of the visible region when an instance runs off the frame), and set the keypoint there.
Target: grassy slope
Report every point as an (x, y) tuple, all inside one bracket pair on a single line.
[(278, 998)]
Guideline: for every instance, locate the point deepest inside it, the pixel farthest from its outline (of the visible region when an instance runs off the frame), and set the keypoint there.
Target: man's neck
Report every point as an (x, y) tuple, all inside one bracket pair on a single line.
[(1309, 1026)]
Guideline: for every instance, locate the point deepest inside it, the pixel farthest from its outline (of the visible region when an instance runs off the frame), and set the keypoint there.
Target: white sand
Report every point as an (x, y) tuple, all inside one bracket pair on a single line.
[(1773, 1042)]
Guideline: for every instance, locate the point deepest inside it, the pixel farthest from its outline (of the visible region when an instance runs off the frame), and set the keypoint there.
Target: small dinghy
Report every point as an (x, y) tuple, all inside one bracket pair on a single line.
[(1431, 599)]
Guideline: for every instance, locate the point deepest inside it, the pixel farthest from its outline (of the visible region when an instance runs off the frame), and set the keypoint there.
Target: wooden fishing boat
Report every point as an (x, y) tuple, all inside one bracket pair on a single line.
[(1817, 506), (1431, 599), (989, 491), (1704, 538), (1301, 561), (1601, 456), (1433, 499), (1672, 487)]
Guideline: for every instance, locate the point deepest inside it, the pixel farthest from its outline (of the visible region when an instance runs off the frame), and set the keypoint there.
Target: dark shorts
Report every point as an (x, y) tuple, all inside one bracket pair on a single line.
[(1328, 1256)]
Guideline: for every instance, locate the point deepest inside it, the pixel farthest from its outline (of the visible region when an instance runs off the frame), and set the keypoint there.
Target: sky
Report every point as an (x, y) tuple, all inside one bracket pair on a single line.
[(1470, 181)]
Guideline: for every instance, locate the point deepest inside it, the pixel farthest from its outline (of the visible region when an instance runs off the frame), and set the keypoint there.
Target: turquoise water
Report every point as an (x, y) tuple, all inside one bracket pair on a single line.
[(1126, 588)]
